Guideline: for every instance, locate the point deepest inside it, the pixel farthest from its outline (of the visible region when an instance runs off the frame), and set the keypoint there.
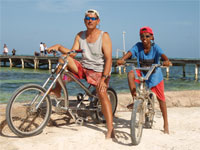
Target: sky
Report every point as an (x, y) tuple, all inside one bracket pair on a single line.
[(176, 23)]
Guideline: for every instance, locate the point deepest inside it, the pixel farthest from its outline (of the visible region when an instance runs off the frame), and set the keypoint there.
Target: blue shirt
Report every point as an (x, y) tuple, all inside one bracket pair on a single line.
[(153, 57)]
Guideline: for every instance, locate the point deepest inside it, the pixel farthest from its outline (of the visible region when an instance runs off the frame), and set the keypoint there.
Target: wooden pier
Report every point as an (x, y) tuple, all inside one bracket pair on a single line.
[(47, 62), (28, 61)]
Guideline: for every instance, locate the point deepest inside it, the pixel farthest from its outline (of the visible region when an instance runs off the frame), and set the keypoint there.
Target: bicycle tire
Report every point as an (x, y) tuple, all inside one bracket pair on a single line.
[(151, 112), (22, 118), (98, 117), (136, 122)]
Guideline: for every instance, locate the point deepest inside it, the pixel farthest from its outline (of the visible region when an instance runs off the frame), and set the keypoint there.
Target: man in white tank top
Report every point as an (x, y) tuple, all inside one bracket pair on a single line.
[(95, 65)]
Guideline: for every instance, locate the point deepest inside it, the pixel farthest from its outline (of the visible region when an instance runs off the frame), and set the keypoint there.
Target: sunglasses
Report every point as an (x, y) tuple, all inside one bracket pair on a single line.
[(92, 18), (143, 36)]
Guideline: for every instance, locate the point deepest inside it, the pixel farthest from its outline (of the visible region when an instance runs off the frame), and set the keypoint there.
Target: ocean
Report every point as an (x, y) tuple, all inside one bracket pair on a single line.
[(12, 78)]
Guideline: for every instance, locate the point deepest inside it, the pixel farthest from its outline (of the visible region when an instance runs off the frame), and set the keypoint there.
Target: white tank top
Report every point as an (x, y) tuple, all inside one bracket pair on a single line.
[(92, 57)]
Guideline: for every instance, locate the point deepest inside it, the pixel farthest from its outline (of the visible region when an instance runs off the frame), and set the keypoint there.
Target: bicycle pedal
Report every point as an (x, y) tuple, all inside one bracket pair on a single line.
[(79, 121)]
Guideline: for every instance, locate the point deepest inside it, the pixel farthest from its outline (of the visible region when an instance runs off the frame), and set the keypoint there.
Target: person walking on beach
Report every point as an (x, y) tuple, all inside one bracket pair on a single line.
[(95, 65), (148, 53), (5, 50)]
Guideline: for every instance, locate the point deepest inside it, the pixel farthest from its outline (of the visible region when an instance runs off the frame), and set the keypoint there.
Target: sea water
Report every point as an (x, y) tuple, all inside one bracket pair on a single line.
[(13, 78)]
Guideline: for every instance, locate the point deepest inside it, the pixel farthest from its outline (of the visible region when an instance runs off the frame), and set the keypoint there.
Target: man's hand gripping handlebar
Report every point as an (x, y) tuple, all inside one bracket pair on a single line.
[(68, 53)]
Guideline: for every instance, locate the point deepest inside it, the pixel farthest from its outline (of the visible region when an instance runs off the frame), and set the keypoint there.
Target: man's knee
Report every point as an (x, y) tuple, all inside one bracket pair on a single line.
[(101, 94)]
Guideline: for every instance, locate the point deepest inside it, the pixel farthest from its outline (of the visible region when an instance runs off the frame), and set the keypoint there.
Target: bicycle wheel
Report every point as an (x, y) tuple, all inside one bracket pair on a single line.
[(150, 111), (98, 116), (136, 122), (21, 114)]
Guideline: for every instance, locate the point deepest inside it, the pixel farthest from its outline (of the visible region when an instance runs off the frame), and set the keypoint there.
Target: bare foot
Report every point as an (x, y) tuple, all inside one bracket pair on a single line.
[(110, 134), (166, 130)]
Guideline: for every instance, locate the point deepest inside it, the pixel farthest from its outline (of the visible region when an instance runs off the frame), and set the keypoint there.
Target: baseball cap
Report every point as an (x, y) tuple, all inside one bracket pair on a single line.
[(92, 11), (146, 30)]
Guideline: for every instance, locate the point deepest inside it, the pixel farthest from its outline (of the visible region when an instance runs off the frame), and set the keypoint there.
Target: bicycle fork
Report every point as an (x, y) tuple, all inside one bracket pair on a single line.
[(51, 85)]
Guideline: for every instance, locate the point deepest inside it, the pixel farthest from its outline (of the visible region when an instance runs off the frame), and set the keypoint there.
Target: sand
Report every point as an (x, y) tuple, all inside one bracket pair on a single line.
[(184, 126)]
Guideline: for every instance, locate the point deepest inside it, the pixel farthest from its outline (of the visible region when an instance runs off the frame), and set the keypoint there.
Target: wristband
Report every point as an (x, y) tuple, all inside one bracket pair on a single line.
[(105, 76)]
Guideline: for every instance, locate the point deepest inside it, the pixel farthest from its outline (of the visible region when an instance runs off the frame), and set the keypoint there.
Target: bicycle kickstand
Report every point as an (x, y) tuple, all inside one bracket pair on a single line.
[(79, 121)]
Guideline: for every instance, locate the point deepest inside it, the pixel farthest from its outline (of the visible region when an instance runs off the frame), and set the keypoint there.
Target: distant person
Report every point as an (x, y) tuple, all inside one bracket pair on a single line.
[(5, 50), (148, 53), (41, 49), (45, 49), (36, 54), (13, 52)]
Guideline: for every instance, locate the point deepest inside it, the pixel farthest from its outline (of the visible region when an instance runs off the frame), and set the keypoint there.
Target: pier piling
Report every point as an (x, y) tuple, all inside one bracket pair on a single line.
[(196, 71)]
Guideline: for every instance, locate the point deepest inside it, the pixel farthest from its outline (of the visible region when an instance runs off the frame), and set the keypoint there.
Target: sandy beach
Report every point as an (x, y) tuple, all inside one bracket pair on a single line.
[(184, 126)]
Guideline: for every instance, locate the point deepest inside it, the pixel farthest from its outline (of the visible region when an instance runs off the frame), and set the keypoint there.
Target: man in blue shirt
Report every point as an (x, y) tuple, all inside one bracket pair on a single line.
[(148, 53)]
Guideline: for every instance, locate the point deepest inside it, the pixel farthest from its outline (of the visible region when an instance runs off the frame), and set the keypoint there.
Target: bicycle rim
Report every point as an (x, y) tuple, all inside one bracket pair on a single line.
[(22, 117), (136, 122)]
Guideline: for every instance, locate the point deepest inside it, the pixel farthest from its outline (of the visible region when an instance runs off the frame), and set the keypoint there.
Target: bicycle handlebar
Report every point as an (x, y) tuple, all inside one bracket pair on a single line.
[(70, 52), (149, 70)]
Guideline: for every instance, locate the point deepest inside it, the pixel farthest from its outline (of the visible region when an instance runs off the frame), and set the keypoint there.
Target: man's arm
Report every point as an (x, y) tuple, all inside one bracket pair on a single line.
[(122, 60), (166, 61), (107, 50), (58, 47), (76, 44)]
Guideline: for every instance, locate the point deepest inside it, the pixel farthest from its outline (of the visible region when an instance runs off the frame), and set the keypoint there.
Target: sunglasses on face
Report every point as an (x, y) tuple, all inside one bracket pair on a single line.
[(92, 18), (145, 36)]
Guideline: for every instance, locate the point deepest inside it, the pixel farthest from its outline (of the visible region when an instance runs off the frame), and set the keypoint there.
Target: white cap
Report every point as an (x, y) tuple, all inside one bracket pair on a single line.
[(92, 11)]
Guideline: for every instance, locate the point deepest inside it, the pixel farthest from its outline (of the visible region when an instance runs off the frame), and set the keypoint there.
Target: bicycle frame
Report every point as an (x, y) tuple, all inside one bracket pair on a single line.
[(142, 86), (63, 71), (143, 91)]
